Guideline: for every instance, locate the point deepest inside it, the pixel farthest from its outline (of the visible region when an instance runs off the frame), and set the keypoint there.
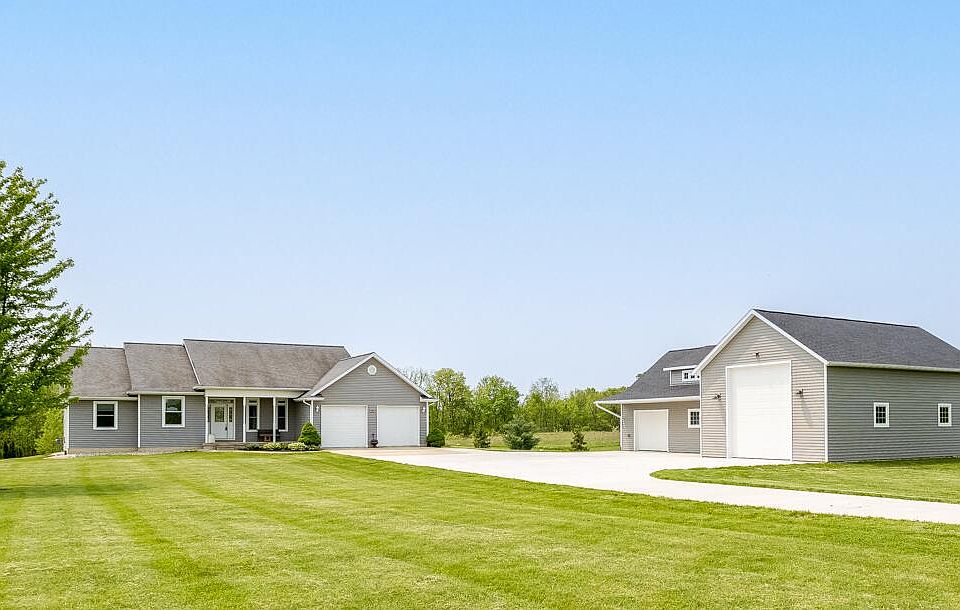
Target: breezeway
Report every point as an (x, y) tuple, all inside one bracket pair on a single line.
[(630, 472)]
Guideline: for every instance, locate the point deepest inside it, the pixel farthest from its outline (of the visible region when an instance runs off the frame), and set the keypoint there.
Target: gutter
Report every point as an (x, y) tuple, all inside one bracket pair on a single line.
[(617, 415)]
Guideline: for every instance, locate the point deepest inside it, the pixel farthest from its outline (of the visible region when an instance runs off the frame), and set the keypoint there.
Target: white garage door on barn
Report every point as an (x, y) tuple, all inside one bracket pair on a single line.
[(343, 426), (398, 426), (759, 423), (651, 429)]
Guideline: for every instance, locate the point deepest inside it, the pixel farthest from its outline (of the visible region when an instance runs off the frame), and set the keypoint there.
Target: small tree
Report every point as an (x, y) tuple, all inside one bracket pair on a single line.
[(518, 434), (436, 437), (309, 435), (481, 438), (578, 442)]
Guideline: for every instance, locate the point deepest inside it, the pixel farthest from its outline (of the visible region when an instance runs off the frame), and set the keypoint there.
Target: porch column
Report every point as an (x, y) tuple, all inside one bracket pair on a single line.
[(245, 415), (310, 406), (206, 418), (274, 399)]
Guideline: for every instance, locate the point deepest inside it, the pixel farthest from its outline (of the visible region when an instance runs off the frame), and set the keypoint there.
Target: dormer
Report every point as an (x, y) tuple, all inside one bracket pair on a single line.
[(682, 375)]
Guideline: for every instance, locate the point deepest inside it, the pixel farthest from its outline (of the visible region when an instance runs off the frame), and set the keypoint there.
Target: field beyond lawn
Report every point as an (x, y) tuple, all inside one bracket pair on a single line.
[(550, 441), (256, 530), (933, 480)]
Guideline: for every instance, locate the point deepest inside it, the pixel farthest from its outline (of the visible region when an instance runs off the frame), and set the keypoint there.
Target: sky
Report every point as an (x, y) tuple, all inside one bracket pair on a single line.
[(525, 189)]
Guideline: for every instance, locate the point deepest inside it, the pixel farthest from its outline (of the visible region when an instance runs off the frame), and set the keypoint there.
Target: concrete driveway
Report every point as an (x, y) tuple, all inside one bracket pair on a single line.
[(629, 471)]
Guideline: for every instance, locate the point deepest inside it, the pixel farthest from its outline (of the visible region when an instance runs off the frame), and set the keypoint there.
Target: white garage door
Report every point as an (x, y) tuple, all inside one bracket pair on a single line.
[(758, 412), (651, 430), (398, 426), (343, 426)]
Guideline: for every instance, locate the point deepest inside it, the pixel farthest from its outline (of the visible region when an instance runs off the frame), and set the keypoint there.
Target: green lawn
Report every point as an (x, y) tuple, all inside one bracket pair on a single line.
[(550, 441), (257, 530), (936, 480)]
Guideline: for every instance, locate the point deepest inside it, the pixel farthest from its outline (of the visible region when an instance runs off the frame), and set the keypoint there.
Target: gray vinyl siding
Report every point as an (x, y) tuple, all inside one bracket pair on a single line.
[(806, 374), (384, 388), (299, 414), (152, 434), (680, 437), (83, 436), (913, 397)]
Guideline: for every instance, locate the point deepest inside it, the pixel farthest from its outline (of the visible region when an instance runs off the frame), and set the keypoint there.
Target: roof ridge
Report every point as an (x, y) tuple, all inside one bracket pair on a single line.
[(808, 315), (98, 347), (265, 343), (152, 343), (690, 349)]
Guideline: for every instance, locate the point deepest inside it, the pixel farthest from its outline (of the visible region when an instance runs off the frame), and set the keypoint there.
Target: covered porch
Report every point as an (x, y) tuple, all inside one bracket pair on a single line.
[(249, 416)]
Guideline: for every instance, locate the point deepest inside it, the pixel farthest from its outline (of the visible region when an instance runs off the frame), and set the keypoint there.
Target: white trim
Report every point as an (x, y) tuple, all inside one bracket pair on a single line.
[(138, 421), (636, 436), (107, 398), (826, 420), (251, 393), (680, 368), (207, 436), (286, 413), (246, 415), (162, 392), (360, 363), (273, 408), (736, 329), (896, 367), (617, 415), (699, 415), (163, 411), (886, 417), (726, 397), (116, 414), (243, 414), (949, 421), (643, 401), (224, 387), (66, 428)]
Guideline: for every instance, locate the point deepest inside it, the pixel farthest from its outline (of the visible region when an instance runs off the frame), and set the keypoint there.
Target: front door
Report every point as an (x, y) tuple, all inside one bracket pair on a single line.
[(221, 420)]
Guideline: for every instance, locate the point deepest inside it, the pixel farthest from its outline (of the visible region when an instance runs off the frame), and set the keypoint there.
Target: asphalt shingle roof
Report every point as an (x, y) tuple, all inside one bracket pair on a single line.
[(103, 374), (159, 367), (338, 369), (862, 342), (655, 382), (238, 364)]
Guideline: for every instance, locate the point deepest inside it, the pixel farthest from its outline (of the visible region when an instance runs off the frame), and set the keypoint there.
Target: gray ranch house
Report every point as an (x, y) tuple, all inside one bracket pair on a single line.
[(788, 386), (160, 397)]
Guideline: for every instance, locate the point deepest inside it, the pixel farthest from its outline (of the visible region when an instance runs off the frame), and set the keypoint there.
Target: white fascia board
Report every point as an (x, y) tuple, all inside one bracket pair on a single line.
[(680, 368), (896, 367), (133, 398), (736, 329), (252, 393), (641, 401)]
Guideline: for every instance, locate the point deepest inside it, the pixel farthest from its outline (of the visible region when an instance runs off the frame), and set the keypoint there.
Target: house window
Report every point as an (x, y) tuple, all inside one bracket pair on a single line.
[(173, 415), (282, 414), (881, 415), (105, 415), (687, 376), (944, 415), (253, 414), (693, 418)]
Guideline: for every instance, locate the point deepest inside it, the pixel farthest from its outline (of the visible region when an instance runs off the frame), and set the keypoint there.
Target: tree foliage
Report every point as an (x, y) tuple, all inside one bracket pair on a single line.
[(454, 400), (519, 434), (495, 402), (309, 435), (37, 329)]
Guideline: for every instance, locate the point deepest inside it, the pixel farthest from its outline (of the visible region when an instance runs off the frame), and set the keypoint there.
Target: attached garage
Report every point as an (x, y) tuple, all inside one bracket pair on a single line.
[(343, 426), (759, 421), (651, 430), (398, 426)]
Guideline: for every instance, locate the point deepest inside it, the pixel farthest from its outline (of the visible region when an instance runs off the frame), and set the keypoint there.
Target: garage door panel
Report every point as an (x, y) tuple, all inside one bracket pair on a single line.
[(651, 430), (343, 426), (759, 411), (398, 426)]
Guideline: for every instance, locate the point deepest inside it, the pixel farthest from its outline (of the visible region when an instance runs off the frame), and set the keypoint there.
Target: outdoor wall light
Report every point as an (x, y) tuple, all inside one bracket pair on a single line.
[(757, 355), (800, 392), (716, 397)]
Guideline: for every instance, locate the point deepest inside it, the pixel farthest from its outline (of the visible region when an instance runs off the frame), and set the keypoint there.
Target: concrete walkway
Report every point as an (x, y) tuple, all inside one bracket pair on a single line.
[(630, 472)]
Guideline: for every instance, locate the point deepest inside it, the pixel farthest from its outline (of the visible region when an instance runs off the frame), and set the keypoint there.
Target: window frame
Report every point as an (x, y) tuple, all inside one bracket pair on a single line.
[(116, 414), (163, 411), (699, 416), (949, 422), (286, 413), (249, 402), (685, 379), (886, 415)]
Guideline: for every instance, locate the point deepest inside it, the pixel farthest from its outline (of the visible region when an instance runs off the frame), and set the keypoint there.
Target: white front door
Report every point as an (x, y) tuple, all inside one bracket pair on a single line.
[(398, 426), (759, 419), (221, 419), (651, 429)]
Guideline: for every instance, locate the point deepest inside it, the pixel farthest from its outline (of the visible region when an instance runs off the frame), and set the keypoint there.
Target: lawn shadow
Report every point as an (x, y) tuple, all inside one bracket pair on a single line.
[(64, 490)]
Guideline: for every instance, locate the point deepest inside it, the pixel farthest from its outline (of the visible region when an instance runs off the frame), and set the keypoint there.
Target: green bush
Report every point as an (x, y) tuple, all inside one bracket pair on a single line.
[(52, 431), (578, 442), (309, 435), (481, 438), (518, 434), (436, 438), (296, 446), (273, 446), (251, 447)]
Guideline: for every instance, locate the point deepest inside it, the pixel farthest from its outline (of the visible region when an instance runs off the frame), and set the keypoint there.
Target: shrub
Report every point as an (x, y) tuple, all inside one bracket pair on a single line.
[(273, 446), (309, 435), (296, 446), (578, 442), (251, 446), (518, 434), (481, 438), (436, 438)]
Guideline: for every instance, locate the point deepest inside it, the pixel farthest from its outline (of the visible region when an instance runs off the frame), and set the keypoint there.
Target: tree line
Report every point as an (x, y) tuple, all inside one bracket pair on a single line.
[(493, 402)]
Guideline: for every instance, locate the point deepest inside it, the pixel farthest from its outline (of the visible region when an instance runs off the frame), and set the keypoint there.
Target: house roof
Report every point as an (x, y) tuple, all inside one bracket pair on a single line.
[(841, 340), (345, 366), (240, 364), (103, 374), (655, 382), (159, 367)]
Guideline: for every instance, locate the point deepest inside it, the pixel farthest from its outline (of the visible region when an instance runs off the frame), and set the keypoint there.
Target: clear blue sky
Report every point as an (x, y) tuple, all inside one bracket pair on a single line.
[(527, 189)]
